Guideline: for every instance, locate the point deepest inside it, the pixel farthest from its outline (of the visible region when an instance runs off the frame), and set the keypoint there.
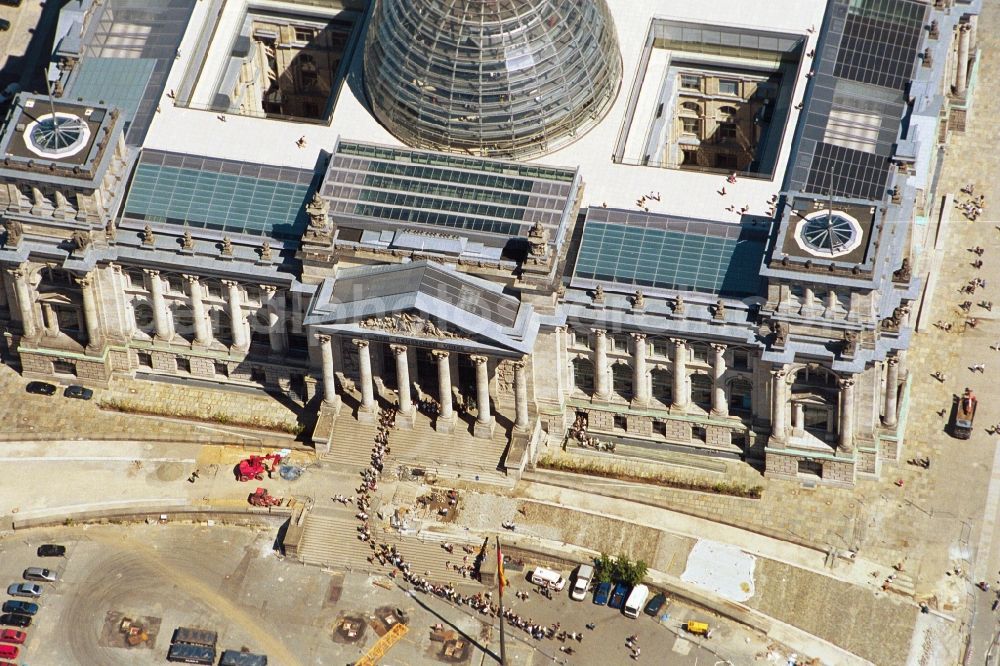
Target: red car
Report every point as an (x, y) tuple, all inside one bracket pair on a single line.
[(8, 651), (12, 636)]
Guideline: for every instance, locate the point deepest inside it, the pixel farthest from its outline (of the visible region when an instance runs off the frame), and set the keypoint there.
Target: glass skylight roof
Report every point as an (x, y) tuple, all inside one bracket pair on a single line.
[(666, 253), (828, 233), (57, 135), (369, 186), (217, 194)]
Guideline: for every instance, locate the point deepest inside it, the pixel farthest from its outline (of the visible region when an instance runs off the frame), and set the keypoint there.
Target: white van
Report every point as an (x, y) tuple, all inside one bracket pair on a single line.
[(548, 578), (583, 577), (636, 600)]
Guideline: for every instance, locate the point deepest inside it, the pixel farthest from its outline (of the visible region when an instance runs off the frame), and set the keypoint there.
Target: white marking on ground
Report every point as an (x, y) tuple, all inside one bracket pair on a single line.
[(721, 568), (681, 646), (989, 518)]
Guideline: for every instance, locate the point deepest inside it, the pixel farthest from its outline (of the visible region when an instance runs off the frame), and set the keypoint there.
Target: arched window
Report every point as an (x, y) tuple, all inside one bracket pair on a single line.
[(741, 396), (583, 375), (701, 390), (663, 387), (143, 312), (727, 110), (621, 378), (691, 107)]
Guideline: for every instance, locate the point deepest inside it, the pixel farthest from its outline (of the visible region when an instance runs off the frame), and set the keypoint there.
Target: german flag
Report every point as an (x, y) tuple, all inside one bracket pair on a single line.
[(501, 577)]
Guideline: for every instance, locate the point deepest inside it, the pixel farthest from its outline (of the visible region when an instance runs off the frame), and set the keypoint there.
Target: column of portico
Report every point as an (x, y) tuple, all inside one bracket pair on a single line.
[(275, 329), (962, 66), (521, 420), (602, 383), (891, 390), (798, 419), (24, 302), (90, 319), (446, 418), (202, 333), (484, 420), (778, 386), (160, 322), (330, 398), (368, 408), (236, 319), (403, 380), (720, 407), (50, 321), (640, 382), (681, 397), (847, 414)]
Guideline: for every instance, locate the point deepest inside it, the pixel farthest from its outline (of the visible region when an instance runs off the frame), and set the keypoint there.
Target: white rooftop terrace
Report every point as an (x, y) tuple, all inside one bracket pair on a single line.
[(682, 193)]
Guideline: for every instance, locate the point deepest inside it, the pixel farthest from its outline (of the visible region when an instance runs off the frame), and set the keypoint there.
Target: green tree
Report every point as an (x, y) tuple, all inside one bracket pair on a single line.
[(637, 572), (605, 568)]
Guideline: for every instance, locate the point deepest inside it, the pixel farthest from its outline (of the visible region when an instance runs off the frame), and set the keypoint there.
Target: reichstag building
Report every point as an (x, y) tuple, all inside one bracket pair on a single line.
[(506, 217)]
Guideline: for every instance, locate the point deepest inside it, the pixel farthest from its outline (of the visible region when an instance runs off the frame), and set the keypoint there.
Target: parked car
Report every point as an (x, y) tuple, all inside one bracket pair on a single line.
[(15, 620), (548, 578), (618, 596), (602, 593), (9, 91), (584, 574), (25, 590), (38, 573), (9, 651), (22, 607), (40, 388), (78, 392), (655, 604), (51, 550), (12, 636)]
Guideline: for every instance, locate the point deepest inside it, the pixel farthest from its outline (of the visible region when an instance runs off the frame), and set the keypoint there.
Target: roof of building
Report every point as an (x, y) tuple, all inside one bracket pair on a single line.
[(377, 188), (223, 195), (865, 59), (631, 250), (686, 193)]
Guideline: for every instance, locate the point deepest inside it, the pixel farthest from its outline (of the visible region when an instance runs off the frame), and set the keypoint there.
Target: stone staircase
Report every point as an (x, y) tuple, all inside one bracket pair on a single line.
[(330, 539), (455, 456)]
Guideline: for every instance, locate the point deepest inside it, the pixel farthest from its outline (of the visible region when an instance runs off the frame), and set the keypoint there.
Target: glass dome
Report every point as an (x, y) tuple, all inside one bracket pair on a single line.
[(828, 233), (500, 78)]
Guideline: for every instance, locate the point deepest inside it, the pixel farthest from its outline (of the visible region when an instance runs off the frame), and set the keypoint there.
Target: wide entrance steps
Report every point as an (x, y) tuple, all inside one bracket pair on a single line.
[(457, 455), (330, 539)]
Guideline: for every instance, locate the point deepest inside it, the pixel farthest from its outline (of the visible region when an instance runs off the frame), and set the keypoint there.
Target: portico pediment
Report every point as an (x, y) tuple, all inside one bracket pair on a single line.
[(420, 302)]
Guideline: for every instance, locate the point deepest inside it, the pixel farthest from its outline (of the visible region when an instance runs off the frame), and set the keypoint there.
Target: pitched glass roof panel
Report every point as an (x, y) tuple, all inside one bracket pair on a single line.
[(670, 253), (198, 195), (376, 185)]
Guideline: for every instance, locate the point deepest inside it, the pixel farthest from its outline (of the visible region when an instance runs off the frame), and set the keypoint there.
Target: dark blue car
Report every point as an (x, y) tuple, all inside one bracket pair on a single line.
[(619, 595), (22, 607), (602, 593)]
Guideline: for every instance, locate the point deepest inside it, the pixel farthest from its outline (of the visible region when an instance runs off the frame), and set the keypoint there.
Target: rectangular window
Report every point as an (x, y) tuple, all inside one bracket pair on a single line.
[(690, 125), (136, 278), (729, 87), (221, 369), (741, 359), (304, 34), (183, 364), (690, 82), (145, 360)]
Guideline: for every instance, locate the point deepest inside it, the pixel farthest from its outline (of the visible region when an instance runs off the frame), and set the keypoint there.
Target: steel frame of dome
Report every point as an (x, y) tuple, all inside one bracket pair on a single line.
[(828, 233), (499, 78)]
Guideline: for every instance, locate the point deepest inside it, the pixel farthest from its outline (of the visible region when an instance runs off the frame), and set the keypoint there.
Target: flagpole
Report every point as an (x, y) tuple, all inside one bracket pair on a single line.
[(501, 581)]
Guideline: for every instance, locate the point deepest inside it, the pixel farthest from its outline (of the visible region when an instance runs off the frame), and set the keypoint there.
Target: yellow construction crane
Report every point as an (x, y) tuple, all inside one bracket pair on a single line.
[(383, 645)]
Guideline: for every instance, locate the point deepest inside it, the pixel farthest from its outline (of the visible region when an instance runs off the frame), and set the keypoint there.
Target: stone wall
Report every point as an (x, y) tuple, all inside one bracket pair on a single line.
[(678, 431), (836, 472), (866, 462), (777, 466), (640, 426), (718, 436)]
